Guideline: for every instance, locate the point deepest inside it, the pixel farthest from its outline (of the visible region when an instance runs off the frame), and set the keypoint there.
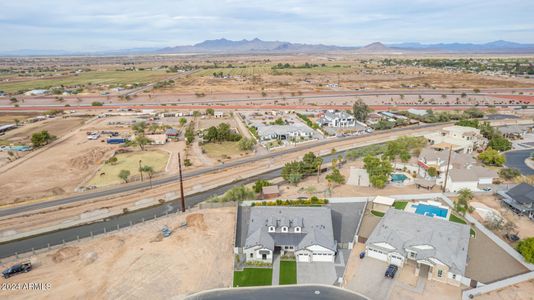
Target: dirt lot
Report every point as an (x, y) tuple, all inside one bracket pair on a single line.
[(57, 126), (522, 291), (139, 263)]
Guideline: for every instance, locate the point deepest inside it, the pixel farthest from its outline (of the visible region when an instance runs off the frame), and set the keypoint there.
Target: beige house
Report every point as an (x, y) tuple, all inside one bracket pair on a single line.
[(382, 204), (436, 247), (462, 139)]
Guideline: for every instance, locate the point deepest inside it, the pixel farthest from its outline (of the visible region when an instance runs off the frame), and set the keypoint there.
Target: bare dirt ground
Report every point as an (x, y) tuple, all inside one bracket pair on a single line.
[(433, 290), (57, 126), (522, 291), (525, 227), (138, 263)]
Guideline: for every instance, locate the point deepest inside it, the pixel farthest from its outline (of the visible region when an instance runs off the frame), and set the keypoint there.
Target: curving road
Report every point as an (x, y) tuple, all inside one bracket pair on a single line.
[(294, 292), (516, 159)]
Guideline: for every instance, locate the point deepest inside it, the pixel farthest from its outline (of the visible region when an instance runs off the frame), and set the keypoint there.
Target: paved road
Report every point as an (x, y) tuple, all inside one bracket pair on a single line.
[(161, 181), (296, 292), (516, 159)]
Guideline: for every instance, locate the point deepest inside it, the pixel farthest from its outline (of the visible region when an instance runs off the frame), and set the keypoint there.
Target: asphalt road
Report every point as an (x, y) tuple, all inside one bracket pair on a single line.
[(294, 292), (161, 181), (113, 223), (516, 159)]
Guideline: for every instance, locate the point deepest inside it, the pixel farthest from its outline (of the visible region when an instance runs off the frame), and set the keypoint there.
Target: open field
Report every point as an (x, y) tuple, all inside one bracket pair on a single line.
[(139, 263), (223, 150), (6, 117), (108, 174), (85, 78), (57, 126)]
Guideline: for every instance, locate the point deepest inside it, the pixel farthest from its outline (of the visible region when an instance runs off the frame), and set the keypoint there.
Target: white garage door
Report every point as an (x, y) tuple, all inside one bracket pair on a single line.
[(375, 254), (322, 257), (304, 258), (396, 260)]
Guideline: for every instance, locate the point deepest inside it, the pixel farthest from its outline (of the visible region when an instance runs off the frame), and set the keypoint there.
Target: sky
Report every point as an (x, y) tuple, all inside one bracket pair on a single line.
[(93, 25)]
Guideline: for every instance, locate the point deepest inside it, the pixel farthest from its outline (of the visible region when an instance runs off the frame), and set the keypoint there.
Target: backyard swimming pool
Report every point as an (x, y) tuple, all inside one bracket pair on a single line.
[(398, 177), (430, 210)]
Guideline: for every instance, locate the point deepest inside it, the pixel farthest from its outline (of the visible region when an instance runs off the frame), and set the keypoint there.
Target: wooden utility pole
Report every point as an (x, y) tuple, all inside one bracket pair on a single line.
[(182, 201), (448, 166)]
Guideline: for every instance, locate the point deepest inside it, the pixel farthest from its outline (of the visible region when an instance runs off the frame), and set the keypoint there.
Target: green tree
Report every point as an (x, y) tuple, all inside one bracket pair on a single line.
[(149, 170), (41, 138), (210, 112), (139, 127), (468, 123), (432, 172), (500, 143), (182, 121), (492, 157), (279, 121), (97, 103), (462, 203), (526, 248), (153, 128), (246, 144), (335, 177), (311, 163), (124, 175), (141, 141), (293, 172), (378, 170), (360, 110), (509, 173), (259, 184)]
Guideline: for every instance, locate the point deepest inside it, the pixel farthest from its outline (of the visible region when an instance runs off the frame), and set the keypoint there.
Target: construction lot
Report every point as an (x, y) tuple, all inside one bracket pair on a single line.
[(138, 263)]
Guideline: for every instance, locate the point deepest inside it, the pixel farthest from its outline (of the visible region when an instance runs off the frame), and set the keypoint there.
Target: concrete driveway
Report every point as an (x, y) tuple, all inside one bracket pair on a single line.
[(316, 272), (370, 281)]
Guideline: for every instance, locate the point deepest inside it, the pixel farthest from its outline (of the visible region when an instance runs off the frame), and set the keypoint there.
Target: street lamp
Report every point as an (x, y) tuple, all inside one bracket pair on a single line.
[(141, 169)]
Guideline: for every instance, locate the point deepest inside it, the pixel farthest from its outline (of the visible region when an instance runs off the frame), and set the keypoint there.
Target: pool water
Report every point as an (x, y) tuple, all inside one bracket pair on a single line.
[(398, 177), (430, 210)]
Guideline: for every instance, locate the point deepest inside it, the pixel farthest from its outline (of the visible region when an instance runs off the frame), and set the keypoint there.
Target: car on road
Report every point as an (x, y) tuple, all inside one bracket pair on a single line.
[(487, 189), (18, 268), (512, 237), (391, 271)]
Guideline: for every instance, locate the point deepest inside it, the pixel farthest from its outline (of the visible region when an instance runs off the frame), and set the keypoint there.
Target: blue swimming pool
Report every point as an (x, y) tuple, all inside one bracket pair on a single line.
[(430, 210), (398, 177)]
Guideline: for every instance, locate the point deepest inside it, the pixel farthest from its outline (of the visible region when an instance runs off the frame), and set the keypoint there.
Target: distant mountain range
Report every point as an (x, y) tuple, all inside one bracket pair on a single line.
[(256, 45)]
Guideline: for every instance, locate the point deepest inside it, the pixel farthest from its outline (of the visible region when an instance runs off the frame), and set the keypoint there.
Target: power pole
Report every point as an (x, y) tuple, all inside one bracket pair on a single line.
[(182, 201), (448, 166)]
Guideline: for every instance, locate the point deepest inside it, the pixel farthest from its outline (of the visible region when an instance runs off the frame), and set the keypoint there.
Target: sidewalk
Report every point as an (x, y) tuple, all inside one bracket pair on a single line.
[(276, 269)]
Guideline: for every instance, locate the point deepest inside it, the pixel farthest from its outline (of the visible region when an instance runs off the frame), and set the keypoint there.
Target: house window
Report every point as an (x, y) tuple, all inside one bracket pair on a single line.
[(440, 273), (297, 229), (453, 276), (271, 229), (412, 254), (251, 255), (284, 228)]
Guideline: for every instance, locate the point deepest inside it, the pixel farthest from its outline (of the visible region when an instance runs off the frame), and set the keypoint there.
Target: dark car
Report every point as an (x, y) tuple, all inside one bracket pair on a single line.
[(390, 272), (512, 237), (18, 268)]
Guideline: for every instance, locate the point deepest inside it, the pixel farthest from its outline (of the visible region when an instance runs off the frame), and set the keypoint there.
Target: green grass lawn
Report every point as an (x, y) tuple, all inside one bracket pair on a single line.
[(129, 161), (253, 277), (288, 272), (400, 204), (222, 150), (377, 213)]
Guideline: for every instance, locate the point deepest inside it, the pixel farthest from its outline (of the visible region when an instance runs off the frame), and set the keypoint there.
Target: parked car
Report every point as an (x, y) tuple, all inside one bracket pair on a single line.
[(18, 268), (512, 237), (391, 271), (487, 189)]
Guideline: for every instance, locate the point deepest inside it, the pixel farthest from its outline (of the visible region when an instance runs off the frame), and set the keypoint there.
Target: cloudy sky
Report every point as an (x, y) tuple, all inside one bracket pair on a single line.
[(90, 25)]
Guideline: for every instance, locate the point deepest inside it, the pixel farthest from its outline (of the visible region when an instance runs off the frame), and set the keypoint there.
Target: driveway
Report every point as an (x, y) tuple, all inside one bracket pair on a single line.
[(316, 272), (370, 281), (516, 159)]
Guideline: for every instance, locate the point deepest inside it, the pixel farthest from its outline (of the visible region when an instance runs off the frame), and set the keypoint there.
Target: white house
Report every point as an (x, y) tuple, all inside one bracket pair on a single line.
[(437, 247), (473, 178), (218, 114), (462, 139), (283, 132), (306, 232), (337, 119)]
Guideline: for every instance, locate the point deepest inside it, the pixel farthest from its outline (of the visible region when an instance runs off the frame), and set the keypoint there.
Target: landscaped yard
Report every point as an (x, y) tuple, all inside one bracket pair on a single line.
[(400, 204), (253, 277), (108, 174), (222, 150), (288, 272), (377, 213), (456, 219)]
